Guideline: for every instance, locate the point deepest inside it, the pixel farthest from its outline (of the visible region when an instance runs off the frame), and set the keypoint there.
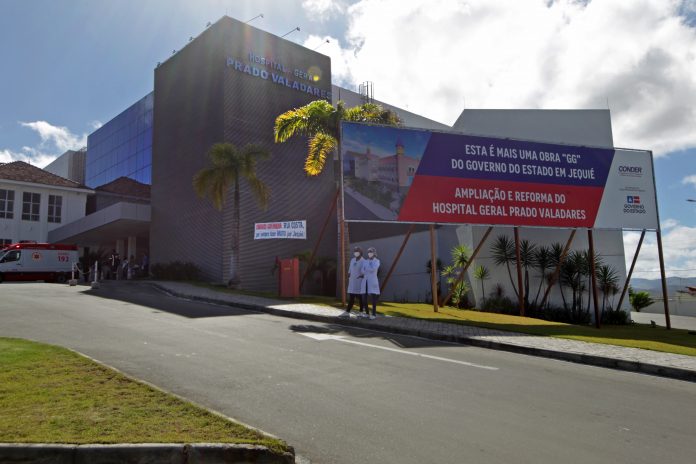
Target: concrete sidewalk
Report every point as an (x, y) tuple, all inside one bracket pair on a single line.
[(631, 359)]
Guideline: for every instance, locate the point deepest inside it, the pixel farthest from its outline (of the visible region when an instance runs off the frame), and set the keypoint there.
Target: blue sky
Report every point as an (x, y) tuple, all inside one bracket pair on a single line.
[(68, 66), (382, 142)]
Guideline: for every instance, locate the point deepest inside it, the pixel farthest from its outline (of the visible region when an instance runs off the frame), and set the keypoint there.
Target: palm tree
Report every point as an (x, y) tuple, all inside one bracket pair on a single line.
[(556, 253), (503, 251), (542, 262), (607, 282), (321, 122), (527, 256), (228, 166), (639, 300), (482, 273)]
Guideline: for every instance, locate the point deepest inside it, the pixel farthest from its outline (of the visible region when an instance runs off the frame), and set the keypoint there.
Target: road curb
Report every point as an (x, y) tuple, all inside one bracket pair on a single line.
[(151, 453), (580, 358)]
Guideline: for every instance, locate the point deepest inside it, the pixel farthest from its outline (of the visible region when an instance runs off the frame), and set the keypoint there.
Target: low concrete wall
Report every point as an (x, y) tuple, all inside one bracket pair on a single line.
[(678, 306), (150, 453)]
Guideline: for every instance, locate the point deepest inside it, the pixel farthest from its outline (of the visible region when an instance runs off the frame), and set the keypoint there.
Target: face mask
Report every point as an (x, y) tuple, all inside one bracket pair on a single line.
[(356, 254), (370, 255)]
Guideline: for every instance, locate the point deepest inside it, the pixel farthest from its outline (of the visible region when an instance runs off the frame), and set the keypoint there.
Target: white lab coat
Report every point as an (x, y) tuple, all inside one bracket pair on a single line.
[(354, 275), (369, 270)]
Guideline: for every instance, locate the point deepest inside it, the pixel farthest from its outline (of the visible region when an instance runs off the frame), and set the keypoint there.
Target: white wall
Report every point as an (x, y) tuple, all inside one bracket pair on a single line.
[(411, 281), (608, 245), (16, 229)]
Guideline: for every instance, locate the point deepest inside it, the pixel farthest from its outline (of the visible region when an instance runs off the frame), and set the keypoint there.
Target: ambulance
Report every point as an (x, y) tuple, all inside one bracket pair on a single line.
[(37, 261)]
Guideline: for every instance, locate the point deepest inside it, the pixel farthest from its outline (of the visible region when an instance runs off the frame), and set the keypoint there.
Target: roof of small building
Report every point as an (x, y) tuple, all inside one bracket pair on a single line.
[(25, 172), (127, 187)]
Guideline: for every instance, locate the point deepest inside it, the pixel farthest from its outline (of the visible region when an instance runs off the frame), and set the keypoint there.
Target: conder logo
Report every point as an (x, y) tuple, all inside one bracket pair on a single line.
[(631, 171)]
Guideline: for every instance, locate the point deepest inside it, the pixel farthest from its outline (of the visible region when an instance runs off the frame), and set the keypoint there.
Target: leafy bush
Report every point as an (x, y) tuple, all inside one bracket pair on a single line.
[(639, 300), (615, 317), (497, 303), (175, 270), (559, 314)]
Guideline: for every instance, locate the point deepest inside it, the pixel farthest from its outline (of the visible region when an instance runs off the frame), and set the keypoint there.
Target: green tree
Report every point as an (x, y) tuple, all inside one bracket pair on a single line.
[(639, 300), (503, 251), (481, 273), (460, 257), (321, 122), (228, 166), (607, 282), (527, 256), (573, 273), (543, 261)]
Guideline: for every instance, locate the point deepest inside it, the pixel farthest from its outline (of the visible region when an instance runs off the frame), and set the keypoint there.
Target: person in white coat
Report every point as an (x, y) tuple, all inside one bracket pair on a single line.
[(355, 279), (370, 284)]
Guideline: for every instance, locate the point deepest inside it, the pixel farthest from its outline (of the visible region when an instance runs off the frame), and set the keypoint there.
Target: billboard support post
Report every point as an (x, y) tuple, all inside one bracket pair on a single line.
[(343, 263), (433, 267), (664, 278), (557, 271), (630, 271), (446, 298), (321, 236), (520, 287), (396, 259), (593, 272)]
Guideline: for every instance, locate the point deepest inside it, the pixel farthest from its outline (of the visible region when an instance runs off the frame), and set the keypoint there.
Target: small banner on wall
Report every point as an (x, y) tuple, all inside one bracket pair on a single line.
[(410, 175), (281, 229)]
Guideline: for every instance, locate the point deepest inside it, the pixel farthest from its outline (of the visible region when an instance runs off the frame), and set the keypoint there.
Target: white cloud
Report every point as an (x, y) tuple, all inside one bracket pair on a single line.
[(342, 60), (689, 180), (679, 248), (28, 155), (323, 9), (55, 140), (60, 137), (638, 57)]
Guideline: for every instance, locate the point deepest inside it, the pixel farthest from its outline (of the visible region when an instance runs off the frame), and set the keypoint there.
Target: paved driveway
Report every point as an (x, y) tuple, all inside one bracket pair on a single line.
[(346, 395)]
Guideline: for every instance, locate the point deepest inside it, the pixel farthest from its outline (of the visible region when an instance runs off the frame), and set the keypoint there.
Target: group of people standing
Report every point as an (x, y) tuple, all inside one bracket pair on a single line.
[(363, 282), (115, 268)]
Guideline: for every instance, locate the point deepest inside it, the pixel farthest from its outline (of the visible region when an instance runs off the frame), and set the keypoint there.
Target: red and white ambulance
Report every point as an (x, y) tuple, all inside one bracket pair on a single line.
[(37, 261)]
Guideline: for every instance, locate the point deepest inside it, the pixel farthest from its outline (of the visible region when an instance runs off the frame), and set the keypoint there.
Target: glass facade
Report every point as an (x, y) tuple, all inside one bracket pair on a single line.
[(122, 147)]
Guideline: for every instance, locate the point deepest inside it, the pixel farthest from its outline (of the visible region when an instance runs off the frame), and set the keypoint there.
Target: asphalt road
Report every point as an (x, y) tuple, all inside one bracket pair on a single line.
[(343, 395)]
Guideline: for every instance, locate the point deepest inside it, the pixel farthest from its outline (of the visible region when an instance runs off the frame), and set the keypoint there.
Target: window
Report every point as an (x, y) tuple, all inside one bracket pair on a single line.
[(30, 206), (6, 204), (55, 208), (4, 242), (11, 256)]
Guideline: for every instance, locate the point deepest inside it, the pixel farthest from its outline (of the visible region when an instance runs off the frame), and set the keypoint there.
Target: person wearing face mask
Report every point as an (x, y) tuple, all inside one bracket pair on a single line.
[(355, 279), (370, 285)]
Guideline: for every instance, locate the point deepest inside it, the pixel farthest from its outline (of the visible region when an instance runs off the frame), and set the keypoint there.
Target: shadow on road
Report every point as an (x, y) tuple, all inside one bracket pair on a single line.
[(401, 341), (144, 294)]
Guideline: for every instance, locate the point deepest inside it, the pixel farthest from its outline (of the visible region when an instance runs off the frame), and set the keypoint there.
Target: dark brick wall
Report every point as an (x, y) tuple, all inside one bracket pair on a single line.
[(187, 121), (239, 108)]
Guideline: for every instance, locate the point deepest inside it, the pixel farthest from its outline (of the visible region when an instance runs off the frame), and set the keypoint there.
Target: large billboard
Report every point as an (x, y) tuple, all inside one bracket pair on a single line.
[(411, 175)]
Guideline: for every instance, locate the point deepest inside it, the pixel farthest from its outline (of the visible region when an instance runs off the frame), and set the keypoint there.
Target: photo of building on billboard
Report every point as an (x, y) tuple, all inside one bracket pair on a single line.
[(378, 169), (409, 175)]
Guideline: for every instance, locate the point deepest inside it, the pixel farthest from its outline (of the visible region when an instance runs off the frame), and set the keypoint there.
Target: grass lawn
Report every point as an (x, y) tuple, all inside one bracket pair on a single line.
[(52, 395), (635, 335)]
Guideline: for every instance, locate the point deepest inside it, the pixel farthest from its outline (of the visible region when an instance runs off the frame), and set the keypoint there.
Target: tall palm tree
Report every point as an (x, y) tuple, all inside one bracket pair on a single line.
[(481, 273), (607, 282), (556, 254), (542, 262), (503, 252), (228, 166), (321, 122), (527, 256)]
